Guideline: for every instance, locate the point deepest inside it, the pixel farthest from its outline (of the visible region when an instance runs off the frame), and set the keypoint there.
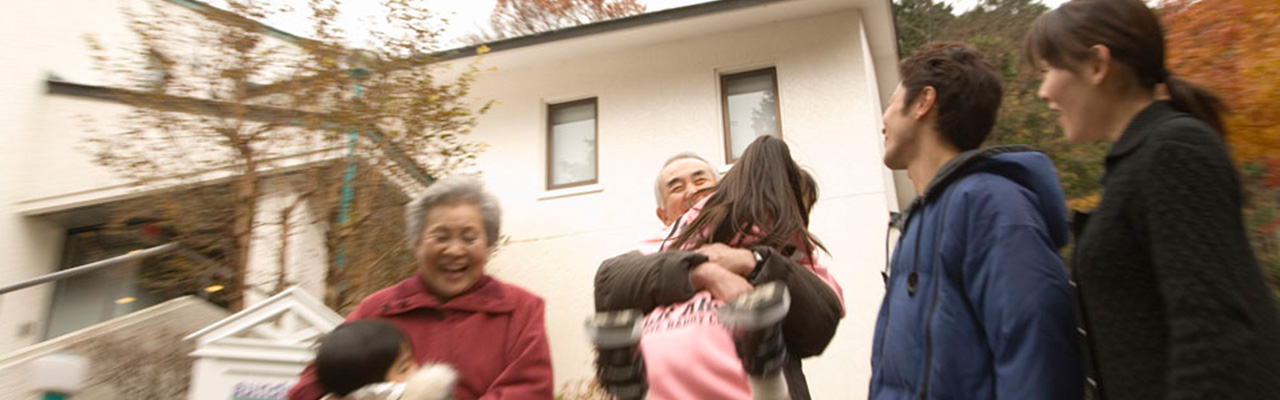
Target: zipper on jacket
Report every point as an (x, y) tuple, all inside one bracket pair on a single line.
[(933, 302), (928, 334), (884, 333), (888, 290)]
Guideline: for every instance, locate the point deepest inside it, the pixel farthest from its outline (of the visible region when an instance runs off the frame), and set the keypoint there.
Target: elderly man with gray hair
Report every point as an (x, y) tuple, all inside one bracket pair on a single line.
[(451, 312), (646, 281), (684, 179)]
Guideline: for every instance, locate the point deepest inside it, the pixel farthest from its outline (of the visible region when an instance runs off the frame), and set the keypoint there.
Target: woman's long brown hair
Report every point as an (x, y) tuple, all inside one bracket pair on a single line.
[(760, 202)]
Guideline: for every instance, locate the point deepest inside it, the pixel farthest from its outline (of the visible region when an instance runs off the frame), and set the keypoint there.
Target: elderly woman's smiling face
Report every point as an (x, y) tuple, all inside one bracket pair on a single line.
[(454, 249)]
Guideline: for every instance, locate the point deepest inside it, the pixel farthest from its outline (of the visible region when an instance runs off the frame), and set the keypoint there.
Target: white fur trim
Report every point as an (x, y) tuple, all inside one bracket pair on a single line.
[(431, 382)]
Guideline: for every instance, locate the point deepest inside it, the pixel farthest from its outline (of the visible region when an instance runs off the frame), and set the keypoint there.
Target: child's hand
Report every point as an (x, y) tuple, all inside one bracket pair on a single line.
[(723, 284), (739, 261)]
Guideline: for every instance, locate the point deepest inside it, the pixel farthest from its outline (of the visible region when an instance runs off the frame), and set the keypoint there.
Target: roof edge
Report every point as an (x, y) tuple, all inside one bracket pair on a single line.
[(256, 112), (594, 28), (202, 7)]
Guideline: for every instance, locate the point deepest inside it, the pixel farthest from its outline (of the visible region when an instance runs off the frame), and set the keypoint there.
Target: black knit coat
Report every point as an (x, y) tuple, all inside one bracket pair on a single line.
[(1173, 302)]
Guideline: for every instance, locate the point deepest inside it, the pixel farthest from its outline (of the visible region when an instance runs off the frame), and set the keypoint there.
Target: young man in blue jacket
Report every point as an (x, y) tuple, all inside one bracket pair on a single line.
[(977, 304)]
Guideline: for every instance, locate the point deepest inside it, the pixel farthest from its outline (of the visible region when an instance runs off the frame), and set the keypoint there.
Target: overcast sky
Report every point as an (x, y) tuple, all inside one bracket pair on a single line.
[(466, 16)]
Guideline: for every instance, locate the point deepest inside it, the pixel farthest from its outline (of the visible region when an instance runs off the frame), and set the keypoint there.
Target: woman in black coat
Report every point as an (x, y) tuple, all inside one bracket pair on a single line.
[(1172, 303)]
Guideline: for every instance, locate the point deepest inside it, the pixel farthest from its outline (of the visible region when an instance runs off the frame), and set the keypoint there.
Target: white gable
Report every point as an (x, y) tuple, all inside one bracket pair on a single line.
[(281, 328)]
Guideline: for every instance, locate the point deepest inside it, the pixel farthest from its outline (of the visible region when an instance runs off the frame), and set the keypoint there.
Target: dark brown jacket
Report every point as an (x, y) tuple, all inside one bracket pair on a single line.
[(636, 281)]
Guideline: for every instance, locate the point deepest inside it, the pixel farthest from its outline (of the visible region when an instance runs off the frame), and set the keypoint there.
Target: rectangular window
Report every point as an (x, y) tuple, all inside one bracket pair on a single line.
[(101, 295), (571, 144), (750, 105)]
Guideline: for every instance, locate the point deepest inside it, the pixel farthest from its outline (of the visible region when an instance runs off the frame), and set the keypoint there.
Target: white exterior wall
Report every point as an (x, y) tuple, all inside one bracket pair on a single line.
[(659, 99), (41, 38), (307, 256), (45, 164)]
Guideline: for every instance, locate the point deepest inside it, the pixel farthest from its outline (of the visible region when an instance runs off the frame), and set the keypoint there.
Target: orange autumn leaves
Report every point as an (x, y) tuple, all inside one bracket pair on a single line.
[(1233, 48)]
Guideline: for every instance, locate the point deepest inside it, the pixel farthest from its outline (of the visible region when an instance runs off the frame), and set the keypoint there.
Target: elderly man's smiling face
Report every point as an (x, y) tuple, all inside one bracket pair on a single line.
[(680, 182)]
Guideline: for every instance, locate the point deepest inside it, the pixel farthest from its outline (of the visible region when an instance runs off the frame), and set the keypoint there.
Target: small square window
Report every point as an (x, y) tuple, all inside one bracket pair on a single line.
[(750, 105), (571, 144)]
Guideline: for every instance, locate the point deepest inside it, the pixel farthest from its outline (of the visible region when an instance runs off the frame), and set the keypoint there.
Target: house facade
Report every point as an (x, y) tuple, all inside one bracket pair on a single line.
[(584, 119), (584, 123), (53, 207)]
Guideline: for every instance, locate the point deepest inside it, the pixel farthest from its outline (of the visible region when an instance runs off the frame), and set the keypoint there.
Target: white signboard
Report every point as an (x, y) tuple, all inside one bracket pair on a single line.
[(258, 353)]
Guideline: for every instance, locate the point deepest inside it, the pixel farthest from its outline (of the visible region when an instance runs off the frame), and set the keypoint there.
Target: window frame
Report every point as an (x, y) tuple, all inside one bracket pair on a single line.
[(550, 143), (65, 263), (772, 71)]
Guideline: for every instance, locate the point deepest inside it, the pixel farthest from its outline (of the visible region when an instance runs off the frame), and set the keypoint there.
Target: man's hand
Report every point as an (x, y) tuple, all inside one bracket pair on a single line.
[(738, 261), (723, 284)]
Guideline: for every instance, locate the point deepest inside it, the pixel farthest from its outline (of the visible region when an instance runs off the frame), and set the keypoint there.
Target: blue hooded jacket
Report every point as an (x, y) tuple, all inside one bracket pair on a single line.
[(977, 304)]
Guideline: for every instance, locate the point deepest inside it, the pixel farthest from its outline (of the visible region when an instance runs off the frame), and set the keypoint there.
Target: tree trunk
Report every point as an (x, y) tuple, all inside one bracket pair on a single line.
[(282, 279), (245, 191)]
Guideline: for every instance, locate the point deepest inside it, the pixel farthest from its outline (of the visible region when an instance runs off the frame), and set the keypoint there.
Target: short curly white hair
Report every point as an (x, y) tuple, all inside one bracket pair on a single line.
[(464, 189)]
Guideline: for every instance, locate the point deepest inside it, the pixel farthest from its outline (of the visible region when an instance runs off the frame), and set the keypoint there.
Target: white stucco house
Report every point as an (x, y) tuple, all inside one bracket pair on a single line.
[(585, 117)]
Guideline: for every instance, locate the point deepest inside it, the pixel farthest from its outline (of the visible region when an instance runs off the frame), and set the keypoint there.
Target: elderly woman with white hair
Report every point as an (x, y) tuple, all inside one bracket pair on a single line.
[(491, 332)]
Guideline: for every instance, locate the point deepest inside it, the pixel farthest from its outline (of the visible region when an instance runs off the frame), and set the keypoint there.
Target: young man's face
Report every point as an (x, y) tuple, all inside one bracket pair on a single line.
[(681, 180), (901, 131)]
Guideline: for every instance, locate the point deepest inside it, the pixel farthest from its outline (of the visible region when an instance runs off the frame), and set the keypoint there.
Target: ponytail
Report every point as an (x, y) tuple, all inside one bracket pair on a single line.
[(1197, 101), (1063, 37)]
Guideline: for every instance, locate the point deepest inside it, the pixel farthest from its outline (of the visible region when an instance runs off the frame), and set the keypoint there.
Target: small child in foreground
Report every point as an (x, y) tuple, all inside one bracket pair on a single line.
[(372, 360)]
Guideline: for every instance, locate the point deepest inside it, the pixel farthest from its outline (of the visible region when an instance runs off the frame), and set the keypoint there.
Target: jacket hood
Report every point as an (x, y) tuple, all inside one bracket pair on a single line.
[(1024, 166)]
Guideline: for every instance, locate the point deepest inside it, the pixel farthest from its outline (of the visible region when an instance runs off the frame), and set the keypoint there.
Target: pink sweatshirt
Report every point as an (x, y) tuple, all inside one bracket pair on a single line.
[(688, 354)]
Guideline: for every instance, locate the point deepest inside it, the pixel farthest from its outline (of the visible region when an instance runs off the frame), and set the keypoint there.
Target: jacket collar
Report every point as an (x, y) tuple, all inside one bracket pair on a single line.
[(1138, 130), (950, 172), (955, 169), (487, 296)]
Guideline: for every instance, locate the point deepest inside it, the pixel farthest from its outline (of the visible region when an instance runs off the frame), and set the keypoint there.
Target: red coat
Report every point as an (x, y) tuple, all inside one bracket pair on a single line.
[(493, 335)]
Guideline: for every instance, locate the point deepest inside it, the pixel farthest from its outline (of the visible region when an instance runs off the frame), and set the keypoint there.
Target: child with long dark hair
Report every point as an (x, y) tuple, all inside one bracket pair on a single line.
[(753, 230), (1172, 302), (762, 201)]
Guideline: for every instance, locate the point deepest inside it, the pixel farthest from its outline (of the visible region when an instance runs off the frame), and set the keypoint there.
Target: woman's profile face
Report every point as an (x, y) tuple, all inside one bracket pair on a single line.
[(454, 249), (1071, 96)]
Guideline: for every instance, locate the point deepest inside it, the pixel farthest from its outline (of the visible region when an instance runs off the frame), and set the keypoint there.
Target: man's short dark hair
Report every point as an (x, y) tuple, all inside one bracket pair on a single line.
[(356, 354), (969, 90)]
